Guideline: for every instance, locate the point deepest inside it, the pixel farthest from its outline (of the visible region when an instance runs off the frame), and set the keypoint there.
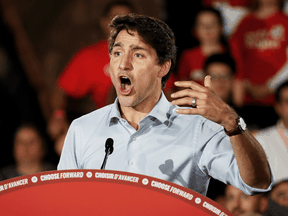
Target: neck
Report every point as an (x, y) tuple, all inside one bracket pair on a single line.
[(210, 44), (26, 168), (285, 123), (267, 10), (135, 114), (211, 48)]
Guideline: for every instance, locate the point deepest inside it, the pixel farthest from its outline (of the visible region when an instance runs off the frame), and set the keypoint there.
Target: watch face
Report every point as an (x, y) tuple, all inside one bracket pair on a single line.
[(242, 124)]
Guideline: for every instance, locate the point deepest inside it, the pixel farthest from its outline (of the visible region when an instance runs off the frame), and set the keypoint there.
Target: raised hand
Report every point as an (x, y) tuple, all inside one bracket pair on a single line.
[(208, 103)]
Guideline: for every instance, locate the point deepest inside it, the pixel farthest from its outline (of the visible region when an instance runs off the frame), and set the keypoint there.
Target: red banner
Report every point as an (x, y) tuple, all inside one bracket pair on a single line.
[(100, 192)]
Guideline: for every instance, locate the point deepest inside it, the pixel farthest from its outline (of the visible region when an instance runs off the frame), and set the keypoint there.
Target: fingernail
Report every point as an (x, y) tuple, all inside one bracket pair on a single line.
[(177, 82), (172, 95)]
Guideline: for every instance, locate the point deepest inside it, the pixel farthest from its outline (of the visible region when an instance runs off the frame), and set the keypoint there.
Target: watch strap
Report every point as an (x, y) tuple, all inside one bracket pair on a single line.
[(236, 131)]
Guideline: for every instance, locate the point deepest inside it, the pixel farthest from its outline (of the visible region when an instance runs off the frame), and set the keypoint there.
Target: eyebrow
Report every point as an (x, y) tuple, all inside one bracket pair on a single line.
[(118, 44), (133, 47)]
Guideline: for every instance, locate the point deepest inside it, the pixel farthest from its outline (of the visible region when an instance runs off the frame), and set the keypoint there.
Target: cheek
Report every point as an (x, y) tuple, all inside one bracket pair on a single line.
[(284, 111), (282, 202), (222, 86), (113, 76), (18, 152), (200, 33), (217, 32), (35, 149)]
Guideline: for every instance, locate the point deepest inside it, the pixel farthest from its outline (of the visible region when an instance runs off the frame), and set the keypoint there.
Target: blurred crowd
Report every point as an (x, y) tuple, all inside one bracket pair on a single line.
[(241, 44)]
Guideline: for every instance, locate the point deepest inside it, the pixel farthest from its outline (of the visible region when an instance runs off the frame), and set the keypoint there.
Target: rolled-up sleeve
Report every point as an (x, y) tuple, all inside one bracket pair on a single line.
[(218, 159)]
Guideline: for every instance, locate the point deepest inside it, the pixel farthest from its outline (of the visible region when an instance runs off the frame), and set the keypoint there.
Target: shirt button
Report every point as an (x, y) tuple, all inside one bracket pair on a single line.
[(134, 138), (130, 163)]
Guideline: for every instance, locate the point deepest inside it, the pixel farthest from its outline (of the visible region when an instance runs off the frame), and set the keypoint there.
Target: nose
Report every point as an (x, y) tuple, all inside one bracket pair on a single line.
[(125, 63)]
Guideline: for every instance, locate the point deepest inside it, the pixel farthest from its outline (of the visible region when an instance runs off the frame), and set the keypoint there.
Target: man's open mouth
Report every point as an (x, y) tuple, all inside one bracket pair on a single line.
[(125, 83)]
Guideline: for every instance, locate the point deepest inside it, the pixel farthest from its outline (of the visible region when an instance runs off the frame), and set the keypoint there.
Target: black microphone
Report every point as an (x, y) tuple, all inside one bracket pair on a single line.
[(108, 150)]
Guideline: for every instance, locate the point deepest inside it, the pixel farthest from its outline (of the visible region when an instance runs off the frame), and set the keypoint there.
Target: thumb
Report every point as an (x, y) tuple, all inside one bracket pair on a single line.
[(208, 82)]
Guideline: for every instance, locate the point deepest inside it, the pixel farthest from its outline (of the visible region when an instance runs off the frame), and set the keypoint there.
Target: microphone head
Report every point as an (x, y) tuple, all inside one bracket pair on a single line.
[(109, 145)]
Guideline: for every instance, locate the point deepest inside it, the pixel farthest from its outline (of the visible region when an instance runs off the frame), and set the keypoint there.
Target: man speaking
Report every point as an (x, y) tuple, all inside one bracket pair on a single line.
[(157, 138)]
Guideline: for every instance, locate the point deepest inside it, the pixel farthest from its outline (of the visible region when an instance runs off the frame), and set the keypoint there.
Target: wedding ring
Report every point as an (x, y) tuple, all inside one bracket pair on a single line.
[(194, 102)]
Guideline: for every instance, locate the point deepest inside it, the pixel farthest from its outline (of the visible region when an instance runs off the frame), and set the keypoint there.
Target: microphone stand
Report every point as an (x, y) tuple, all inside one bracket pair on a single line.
[(105, 160), (108, 150)]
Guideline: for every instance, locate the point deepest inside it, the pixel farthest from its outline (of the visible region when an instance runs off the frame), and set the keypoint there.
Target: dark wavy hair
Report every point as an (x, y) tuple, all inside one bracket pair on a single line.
[(152, 31), (279, 90), (224, 58)]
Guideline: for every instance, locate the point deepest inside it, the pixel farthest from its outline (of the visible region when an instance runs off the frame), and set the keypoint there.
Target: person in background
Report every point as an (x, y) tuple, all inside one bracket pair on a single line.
[(274, 139), (86, 74), (240, 204), (23, 89), (259, 48), (222, 69), (278, 199), (232, 11), (29, 152), (279, 193), (58, 145), (208, 30)]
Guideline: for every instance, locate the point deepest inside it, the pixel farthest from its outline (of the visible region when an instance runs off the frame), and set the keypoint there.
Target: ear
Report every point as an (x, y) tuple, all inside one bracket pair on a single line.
[(164, 69)]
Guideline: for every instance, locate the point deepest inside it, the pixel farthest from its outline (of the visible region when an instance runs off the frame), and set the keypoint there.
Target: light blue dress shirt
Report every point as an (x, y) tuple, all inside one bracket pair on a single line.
[(183, 149)]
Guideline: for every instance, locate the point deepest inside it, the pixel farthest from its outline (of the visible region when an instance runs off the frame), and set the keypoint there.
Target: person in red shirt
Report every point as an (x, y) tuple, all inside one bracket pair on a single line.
[(208, 29), (259, 47), (86, 74), (232, 11)]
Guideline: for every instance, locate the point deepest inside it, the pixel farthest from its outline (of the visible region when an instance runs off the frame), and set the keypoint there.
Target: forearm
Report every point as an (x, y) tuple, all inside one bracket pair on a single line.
[(250, 156), (251, 160)]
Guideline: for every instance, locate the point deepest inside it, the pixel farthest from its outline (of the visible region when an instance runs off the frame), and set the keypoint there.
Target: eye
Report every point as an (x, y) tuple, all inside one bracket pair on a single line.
[(138, 55), (281, 195), (116, 53)]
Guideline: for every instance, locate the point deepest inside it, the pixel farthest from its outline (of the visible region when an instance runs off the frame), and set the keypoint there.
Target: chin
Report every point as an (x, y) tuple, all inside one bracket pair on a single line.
[(125, 101)]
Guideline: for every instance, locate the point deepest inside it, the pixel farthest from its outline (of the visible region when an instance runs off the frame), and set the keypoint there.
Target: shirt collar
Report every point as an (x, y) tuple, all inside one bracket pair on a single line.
[(162, 111)]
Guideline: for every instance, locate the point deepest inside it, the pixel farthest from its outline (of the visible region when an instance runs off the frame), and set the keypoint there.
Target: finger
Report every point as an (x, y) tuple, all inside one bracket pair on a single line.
[(187, 101), (187, 93), (190, 84), (189, 111), (208, 82)]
